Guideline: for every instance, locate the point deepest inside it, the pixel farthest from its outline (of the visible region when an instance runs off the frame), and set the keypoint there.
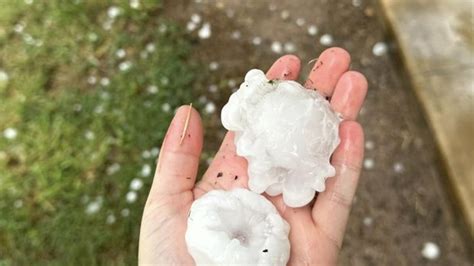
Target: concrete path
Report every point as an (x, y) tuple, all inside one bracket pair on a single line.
[(436, 39)]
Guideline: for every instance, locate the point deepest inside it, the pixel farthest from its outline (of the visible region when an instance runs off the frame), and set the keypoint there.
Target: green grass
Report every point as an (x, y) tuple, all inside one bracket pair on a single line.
[(72, 129)]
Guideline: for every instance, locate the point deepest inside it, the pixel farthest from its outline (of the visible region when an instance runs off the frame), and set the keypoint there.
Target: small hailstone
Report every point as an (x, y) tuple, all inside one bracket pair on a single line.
[(124, 66), (213, 88), (150, 47), (379, 49), (28, 2), (162, 28), (369, 145), (131, 196), (152, 89), (277, 47), (105, 82), (283, 154), (236, 227), (285, 14), (289, 47), (113, 12), (369, 163), (89, 135), (18, 28), (430, 251), (135, 4), (210, 108), (205, 31), (146, 170), (356, 3), (136, 184), (92, 80), (154, 151), (110, 219), (28, 39), (166, 107), (326, 40), (107, 25), (398, 167), (196, 18), (18, 204), (312, 30), (213, 65), (300, 21), (113, 168), (125, 212), (99, 109), (202, 99), (368, 221), (146, 154), (93, 207), (164, 81), (231, 83), (256, 41), (235, 35), (3, 76), (191, 26), (10, 133), (120, 53)]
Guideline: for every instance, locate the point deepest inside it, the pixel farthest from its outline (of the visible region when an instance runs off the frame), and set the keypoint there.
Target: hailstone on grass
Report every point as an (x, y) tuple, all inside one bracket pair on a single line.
[(237, 227), (287, 134)]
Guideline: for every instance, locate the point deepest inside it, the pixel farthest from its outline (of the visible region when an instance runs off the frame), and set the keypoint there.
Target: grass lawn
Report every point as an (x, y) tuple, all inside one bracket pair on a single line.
[(87, 89)]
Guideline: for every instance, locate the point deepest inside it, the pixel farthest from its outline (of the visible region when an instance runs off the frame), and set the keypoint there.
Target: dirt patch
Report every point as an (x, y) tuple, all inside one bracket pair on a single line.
[(401, 202)]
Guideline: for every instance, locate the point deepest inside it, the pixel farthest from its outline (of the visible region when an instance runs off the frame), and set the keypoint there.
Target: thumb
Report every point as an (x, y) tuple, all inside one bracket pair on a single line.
[(178, 162)]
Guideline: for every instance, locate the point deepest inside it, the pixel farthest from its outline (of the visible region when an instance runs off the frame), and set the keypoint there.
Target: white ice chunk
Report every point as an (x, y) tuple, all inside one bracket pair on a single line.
[(287, 134), (236, 227)]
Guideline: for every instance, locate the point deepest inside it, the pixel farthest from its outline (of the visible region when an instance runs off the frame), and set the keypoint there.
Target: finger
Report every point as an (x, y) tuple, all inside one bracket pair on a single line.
[(302, 232), (327, 70), (332, 207), (286, 67), (179, 156), (228, 170), (349, 94)]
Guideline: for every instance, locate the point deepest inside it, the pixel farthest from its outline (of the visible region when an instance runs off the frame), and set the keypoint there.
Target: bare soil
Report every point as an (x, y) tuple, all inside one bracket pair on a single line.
[(402, 209)]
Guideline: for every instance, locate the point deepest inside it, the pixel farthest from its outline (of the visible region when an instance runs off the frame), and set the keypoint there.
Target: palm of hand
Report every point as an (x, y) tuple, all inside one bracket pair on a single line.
[(316, 231)]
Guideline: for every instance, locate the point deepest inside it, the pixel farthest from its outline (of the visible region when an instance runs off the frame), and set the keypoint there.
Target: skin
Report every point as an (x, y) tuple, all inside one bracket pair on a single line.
[(317, 230)]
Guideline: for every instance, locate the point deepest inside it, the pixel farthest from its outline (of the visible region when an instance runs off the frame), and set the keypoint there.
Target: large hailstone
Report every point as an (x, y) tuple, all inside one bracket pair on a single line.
[(237, 227), (287, 134)]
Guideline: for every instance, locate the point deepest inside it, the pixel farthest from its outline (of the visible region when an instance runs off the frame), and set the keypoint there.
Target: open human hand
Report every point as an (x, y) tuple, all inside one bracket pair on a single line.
[(317, 230)]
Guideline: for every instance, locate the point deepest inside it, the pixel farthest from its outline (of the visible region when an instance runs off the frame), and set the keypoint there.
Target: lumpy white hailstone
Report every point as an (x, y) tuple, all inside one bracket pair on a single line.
[(236, 227), (287, 134)]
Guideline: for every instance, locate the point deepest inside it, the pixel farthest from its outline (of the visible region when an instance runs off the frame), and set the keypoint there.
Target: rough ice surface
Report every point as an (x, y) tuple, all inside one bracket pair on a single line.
[(237, 227), (287, 134)]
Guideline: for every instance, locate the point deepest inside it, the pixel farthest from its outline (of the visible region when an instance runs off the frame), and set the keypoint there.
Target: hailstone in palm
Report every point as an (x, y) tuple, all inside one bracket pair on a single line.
[(287, 134), (237, 227)]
